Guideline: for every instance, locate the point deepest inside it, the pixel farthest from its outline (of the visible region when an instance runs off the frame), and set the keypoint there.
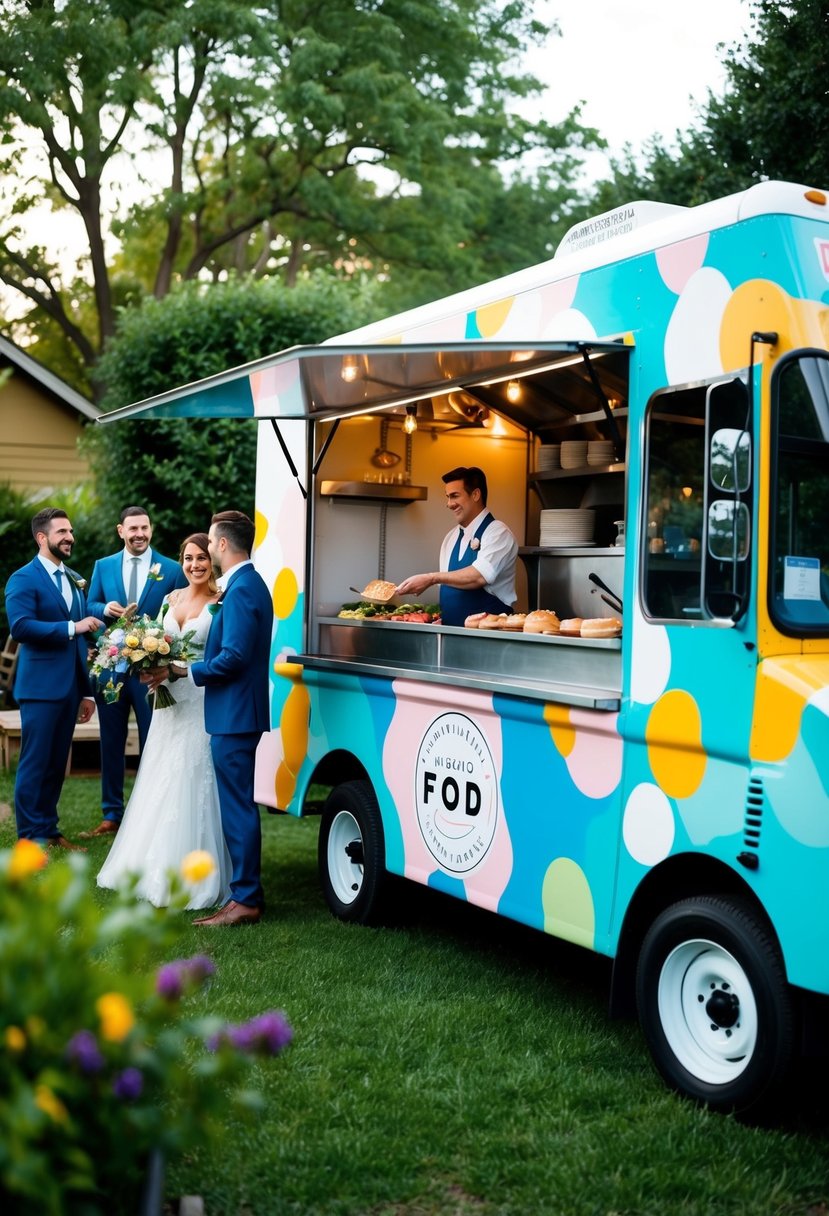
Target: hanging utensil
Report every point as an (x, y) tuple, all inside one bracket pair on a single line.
[(383, 458)]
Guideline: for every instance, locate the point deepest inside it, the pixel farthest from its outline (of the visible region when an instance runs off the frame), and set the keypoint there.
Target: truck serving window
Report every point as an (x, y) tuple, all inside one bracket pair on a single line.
[(698, 507), (799, 532)]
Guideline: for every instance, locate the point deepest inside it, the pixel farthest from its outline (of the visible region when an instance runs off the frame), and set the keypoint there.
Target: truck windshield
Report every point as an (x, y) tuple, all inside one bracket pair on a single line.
[(799, 556)]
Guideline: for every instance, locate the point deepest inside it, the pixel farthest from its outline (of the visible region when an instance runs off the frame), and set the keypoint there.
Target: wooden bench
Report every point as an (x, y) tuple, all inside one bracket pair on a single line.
[(84, 732)]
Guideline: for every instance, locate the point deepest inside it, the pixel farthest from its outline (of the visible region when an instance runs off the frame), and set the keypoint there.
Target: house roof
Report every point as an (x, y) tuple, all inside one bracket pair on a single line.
[(36, 371)]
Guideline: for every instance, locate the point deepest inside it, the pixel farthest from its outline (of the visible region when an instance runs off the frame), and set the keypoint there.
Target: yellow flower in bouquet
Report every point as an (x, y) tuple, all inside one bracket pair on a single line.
[(131, 646)]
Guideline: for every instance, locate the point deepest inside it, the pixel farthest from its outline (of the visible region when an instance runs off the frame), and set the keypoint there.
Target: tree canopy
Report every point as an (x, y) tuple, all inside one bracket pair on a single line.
[(267, 137), (772, 120)]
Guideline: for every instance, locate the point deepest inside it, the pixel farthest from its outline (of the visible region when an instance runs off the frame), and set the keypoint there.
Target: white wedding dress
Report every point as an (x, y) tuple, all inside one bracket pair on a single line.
[(174, 806)]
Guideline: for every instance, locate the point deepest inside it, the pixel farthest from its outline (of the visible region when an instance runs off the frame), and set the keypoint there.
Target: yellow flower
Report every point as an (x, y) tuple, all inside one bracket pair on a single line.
[(135, 656), (50, 1104), (116, 1015), (131, 640), (26, 858), (15, 1038), (163, 647), (197, 865), (150, 643)]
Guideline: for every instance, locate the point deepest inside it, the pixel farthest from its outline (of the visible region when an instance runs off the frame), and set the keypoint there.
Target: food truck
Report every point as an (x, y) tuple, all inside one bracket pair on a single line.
[(651, 408)]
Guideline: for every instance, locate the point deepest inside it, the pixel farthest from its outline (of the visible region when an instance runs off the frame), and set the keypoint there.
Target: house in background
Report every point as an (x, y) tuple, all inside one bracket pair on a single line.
[(41, 420)]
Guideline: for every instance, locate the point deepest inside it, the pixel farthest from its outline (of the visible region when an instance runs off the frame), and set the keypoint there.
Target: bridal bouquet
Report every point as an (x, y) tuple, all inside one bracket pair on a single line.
[(131, 646)]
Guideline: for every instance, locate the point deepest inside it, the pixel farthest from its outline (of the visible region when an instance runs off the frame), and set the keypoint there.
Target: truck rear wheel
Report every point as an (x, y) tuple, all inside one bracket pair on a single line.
[(351, 853), (714, 1005)]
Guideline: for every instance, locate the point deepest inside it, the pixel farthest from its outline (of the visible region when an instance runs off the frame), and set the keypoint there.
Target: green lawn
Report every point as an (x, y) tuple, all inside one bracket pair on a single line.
[(454, 1064)]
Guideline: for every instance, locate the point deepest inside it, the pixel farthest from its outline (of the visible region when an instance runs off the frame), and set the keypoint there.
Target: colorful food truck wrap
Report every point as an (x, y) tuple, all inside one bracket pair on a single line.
[(647, 776)]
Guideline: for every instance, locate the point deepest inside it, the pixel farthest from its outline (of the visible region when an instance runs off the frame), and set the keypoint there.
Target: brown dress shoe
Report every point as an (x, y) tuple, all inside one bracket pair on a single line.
[(232, 914), (107, 827), (60, 842)]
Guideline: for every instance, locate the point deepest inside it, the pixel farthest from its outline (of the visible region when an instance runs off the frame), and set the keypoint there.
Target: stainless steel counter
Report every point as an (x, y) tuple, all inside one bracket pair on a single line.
[(570, 671)]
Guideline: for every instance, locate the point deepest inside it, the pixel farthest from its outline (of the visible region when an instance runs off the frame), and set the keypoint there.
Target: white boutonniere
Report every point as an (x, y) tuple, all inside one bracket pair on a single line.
[(79, 582), (154, 572), (474, 544)]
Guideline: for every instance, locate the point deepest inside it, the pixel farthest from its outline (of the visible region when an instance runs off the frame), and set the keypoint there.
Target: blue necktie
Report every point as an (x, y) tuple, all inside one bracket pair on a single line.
[(59, 580)]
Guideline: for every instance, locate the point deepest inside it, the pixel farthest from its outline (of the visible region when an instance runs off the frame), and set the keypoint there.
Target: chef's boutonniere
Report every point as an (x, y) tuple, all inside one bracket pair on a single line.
[(474, 544), (154, 572)]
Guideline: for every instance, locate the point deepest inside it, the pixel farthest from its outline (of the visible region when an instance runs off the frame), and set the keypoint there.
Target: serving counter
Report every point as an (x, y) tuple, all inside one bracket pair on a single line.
[(570, 671)]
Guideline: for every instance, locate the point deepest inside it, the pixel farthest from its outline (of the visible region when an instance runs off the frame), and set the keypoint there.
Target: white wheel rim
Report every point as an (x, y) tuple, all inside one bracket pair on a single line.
[(708, 1012), (345, 874)]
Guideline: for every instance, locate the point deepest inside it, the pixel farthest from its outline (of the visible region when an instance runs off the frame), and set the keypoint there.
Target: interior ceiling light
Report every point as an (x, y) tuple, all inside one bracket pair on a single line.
[(514, 391), (410, 421)]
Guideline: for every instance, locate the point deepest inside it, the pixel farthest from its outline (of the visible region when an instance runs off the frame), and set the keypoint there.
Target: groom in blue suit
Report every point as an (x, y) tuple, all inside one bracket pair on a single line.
[(139, 577), (48, 615), (235, 675)]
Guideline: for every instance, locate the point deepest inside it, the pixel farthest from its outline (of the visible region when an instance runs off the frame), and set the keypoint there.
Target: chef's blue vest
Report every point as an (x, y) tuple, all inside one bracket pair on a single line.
[(456, 605)]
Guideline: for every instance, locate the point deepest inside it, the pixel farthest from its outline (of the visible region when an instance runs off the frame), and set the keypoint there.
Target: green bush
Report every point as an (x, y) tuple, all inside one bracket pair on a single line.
[(183, 470), (102, 1060)]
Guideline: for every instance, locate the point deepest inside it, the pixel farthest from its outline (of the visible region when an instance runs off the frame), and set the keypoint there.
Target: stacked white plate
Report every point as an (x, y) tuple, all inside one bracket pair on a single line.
[(549, 457), (600, 451), (567, 527), (574, 453)]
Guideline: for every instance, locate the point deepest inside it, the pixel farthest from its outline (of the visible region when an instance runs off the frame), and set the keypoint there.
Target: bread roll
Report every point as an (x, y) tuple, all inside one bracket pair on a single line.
[(380, 590), (601, 627), (571, 628), (514, 623), (473, 621), (542, 620), (491, 620)]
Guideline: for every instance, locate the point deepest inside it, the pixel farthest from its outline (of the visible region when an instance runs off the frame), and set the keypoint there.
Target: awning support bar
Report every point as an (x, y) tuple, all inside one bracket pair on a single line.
[(618, 442), (326, 445), (289, 459)]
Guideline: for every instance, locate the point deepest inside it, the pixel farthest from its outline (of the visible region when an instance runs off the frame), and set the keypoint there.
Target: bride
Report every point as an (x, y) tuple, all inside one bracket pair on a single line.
[(174, 806)]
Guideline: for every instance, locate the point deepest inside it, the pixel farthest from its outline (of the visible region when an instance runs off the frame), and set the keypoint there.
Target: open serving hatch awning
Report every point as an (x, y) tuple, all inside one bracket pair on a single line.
[(332, 382)]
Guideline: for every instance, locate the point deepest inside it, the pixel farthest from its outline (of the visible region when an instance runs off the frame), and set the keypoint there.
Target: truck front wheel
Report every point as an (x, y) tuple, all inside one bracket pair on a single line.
[(351, 853), (714, 1004)]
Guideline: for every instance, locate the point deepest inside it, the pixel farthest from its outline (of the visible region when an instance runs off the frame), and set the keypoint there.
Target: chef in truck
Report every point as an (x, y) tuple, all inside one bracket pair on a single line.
[(477, 557)]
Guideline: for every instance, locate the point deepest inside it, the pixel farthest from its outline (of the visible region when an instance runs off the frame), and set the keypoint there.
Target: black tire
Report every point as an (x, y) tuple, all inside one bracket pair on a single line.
[(714, 1005), (352, 853)]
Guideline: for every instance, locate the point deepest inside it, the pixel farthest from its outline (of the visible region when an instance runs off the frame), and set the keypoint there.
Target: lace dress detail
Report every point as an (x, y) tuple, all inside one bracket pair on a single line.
[(174, 806)]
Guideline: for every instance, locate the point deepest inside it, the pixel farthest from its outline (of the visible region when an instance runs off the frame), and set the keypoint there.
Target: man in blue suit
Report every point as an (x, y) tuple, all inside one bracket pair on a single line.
[(48, 615), (137, 577), (234, 673)]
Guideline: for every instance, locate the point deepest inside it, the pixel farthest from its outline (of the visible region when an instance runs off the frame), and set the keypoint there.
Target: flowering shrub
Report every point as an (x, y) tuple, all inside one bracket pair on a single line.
[(100, 1060)]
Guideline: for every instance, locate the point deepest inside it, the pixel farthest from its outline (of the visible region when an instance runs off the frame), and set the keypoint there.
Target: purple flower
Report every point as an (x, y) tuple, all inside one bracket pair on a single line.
[(82, 1049), (272, 1030), (268, 1034), (128, 1085), (173, 978), (169, 981), (201, 968)]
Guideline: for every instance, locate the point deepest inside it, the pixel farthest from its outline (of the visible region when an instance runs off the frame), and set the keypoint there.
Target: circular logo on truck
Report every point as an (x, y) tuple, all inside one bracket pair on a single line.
[(456, 793)]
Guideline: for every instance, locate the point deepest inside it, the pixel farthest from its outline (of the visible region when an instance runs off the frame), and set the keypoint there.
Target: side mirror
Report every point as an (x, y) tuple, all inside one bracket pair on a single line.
[(730, 460), (728, 530)]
